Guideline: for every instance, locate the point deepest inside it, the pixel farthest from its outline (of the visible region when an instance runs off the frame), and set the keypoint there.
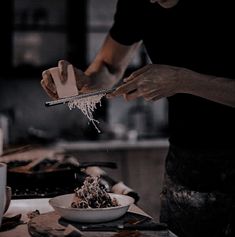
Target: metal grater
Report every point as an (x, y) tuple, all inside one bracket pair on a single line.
[(77, 97)]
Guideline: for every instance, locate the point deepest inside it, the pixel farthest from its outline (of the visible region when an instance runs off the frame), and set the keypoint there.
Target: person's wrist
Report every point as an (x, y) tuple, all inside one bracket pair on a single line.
[(186, 78)]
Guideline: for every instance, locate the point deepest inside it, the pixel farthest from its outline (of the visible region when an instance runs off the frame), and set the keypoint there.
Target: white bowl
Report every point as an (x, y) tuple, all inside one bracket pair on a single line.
[(62, 205)]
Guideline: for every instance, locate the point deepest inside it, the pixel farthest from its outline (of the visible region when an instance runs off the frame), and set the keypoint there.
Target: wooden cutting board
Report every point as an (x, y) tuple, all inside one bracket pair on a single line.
[(52, 225)]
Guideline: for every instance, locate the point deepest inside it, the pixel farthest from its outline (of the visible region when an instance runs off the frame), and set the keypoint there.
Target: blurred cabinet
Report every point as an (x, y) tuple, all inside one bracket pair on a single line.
[(99, 21), (100, 15), (39, 33), (36, 34)]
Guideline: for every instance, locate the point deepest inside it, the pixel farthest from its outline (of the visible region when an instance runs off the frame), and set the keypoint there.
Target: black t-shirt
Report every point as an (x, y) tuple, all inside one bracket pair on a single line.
[(193, 34)]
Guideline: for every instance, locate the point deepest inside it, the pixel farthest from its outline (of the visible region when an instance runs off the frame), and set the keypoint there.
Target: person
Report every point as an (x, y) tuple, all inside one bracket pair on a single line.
[(191, 46)]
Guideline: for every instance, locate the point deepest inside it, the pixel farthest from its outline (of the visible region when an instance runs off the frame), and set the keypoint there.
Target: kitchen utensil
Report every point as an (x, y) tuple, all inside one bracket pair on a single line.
[(77, 97), (19, 149), (72, 231), (51, 224), (81, 96), (28, 167), (52, 177), (143, 227), (81, 165)]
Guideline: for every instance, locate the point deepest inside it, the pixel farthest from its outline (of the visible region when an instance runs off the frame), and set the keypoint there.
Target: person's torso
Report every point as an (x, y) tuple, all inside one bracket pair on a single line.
[(194, 34), (197, 35)]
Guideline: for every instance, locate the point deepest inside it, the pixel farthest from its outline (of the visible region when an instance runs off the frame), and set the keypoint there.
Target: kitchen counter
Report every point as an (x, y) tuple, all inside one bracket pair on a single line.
[(113, 144), (138, 162), (36, 151), (25, 206)]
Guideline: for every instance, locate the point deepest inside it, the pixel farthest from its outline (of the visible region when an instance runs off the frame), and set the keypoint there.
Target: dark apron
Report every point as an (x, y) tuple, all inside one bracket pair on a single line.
[(198, 196)]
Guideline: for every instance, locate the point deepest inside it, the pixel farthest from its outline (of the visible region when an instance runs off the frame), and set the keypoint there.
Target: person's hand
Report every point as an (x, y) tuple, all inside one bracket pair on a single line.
[(82, 81), (152, 82)]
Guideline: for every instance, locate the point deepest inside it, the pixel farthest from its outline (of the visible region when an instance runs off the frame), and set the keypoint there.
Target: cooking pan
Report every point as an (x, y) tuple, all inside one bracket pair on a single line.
[(50, 173)]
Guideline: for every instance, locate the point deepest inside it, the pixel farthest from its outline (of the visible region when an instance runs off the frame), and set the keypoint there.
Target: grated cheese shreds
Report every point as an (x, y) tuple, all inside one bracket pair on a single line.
[(87, 106)]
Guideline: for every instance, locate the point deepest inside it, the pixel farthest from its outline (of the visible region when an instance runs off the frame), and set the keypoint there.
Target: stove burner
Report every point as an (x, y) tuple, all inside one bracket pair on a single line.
[(43, 192)]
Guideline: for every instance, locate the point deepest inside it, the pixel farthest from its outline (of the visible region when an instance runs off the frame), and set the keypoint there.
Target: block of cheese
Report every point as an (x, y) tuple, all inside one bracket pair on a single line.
[(67, 88)]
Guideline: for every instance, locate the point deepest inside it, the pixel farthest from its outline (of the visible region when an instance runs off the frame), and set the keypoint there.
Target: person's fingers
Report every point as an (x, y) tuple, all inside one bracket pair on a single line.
[(131, 83), (48, 81), (49, 93), (79, 73), (63, 66), (132, 95), (156, 98), (110, 95), (81, 80), (137, 73), (153, 95), (125, 88)]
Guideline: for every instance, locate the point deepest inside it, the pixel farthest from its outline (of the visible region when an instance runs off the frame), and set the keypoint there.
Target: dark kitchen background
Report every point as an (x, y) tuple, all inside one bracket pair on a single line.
[(34, 36)]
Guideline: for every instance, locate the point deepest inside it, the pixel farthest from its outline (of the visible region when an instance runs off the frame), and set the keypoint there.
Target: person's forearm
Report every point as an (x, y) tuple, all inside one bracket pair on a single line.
[(217, 89), (102, 74), (111, 62)]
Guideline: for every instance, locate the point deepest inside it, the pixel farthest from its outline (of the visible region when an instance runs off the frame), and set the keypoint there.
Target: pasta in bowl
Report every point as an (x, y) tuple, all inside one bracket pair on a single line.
[(90, 204), (61, 205)]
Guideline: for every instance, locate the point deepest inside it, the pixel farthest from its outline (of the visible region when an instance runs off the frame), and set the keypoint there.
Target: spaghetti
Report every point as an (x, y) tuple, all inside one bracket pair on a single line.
[(92, 195)]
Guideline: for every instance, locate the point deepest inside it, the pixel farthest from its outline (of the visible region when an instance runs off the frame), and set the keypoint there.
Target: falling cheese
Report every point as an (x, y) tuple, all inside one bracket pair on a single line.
[(69, 88), (88, 105)]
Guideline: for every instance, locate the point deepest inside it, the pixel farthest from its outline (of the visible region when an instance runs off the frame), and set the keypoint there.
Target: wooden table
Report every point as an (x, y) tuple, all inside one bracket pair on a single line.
[(25, 206)]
